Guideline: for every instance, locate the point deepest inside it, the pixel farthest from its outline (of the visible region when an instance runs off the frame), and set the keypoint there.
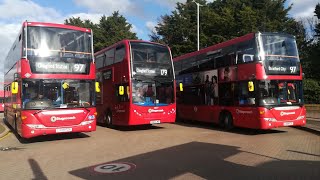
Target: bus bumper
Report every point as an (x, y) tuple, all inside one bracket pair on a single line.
[(33, 130), (269, 123)]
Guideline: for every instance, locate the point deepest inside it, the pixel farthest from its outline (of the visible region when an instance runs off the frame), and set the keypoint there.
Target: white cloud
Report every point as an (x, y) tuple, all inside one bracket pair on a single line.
[(21, 10), (302, 8), (138, 31), (107, 6), (168, 3), (12, 14), (150, 25)]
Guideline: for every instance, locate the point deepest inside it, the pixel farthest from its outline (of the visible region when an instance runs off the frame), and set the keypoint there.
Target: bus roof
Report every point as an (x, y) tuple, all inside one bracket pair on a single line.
[(228, 43), (44, 24), (216, 46), (126, 41)]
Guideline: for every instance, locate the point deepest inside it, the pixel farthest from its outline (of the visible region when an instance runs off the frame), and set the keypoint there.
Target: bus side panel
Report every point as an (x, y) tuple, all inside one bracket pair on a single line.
[(121, 113), (13, 101), (1, 100), (246, 117), (245, 71), (205, 113), (199, 113), (186, 112)]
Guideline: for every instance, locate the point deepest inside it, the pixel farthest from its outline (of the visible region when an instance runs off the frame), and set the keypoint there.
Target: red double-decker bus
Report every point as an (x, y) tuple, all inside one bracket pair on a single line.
[(254, 81), (137, 84), (1, 100), (50, 80)]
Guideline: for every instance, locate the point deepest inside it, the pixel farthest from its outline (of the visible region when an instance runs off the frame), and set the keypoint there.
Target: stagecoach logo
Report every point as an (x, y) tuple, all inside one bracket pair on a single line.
[(54, 118), (286, 113), (195, 109), (155, 110), (238, 111)]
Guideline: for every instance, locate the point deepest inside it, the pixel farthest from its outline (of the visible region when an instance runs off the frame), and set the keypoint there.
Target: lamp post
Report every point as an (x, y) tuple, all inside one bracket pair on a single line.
[(198, 7)]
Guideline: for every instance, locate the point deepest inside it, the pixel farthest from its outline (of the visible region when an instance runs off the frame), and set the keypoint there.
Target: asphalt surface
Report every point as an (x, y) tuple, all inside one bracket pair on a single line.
[(313, 125), (165, 151)]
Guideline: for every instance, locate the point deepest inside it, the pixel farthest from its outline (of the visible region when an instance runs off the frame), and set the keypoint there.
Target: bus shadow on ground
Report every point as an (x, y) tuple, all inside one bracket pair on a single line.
[(198, 160), (52, 137), (236, 130), (44, 138), (133, 128)]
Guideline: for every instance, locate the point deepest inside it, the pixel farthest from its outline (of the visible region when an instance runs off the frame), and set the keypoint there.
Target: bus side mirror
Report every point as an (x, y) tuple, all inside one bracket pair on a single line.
[(121, 90), (181, 86), (97, 87), (128, 90), (14, 87), (65, 85), (250, 86)]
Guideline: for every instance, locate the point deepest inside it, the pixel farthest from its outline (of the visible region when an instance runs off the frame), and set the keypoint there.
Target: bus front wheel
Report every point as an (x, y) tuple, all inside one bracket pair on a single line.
[(228, 121), (108, 119)]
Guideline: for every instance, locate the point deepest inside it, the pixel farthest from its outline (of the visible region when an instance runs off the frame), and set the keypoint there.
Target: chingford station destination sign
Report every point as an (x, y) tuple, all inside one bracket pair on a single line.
[(60, 67)]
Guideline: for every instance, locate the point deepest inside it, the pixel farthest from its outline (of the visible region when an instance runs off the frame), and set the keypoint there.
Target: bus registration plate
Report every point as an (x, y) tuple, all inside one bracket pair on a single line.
[(63, 130), (155, 122), (288, 123)]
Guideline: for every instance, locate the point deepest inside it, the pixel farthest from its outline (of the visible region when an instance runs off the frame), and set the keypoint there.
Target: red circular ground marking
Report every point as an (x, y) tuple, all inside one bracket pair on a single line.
[(110, 168)]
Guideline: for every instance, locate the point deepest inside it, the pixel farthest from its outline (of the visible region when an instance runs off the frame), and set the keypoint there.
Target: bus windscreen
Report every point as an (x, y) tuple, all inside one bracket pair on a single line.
[(281, 55)]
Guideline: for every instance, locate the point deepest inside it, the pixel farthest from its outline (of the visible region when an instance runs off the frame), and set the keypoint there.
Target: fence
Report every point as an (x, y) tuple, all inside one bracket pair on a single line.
[(313, 111)]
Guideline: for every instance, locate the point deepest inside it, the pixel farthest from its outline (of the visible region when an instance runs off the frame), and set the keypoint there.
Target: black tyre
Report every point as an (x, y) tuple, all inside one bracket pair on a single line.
[(108, 119), (228, 121)]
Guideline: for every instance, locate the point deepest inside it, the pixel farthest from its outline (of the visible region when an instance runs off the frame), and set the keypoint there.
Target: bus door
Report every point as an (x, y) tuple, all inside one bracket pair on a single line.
[(121, 107), (246, 110)]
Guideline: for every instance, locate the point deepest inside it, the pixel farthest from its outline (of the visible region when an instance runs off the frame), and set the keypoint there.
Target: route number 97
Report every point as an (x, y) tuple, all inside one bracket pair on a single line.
[(293, 69), (78, 67)]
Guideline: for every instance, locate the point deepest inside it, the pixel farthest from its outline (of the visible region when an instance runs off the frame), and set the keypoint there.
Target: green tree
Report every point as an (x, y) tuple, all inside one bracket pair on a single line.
[(108, 31), (310, 62), (222, 20), (115, 28), (311, 90), (317, 12)]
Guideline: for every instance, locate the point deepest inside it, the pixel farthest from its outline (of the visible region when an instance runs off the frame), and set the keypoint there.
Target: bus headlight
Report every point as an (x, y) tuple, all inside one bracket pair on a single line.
[(91, 117), (300, 117), (35, 126), (85, 123), (270, 119)]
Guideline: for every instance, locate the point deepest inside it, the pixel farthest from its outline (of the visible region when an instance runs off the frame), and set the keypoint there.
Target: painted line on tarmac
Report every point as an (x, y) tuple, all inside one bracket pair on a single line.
[(8, 133)]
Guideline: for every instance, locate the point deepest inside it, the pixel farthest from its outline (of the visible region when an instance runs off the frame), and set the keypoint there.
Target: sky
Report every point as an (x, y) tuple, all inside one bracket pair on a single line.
[(142, 14)]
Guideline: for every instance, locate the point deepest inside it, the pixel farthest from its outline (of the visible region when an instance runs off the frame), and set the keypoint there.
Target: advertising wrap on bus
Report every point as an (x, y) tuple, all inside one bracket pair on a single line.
[(254, 81)]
